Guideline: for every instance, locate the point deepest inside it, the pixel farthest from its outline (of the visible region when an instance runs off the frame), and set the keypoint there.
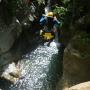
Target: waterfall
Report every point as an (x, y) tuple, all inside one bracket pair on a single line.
[(35, 68), (48, 7)]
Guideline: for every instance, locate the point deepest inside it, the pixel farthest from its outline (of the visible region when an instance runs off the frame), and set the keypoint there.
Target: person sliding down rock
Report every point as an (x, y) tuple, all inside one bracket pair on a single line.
[(50, 23)]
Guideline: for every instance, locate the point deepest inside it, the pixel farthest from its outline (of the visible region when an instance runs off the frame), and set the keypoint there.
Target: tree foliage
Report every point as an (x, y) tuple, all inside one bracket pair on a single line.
[(73, 9), (75, 17)]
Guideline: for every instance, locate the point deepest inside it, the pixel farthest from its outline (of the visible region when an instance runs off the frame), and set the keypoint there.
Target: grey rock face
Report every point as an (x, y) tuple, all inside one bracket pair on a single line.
[(8, 34), (77, 61)]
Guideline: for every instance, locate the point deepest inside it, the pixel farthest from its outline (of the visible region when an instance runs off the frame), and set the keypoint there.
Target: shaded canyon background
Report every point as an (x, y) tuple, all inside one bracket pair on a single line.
[(16, 34)]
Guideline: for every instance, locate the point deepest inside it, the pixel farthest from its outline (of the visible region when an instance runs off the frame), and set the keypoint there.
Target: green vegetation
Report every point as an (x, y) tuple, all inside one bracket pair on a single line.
[(61, 11), (21, 8), (74, 14), (75, 17)]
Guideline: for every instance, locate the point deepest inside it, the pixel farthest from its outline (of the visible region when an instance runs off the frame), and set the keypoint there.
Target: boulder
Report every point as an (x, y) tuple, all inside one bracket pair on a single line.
[(81, 86), (77, 60), (8, 34), (11, 72)]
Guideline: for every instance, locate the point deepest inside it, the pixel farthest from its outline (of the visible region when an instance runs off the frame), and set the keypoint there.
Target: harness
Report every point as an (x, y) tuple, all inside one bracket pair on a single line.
[(49, 22)]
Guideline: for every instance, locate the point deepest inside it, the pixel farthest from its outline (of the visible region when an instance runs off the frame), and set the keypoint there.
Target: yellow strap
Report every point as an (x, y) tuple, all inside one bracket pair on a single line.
[(48, 36)]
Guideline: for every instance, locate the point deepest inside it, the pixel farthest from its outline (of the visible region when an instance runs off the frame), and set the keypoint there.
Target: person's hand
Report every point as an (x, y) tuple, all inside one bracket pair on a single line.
[(55, 18)]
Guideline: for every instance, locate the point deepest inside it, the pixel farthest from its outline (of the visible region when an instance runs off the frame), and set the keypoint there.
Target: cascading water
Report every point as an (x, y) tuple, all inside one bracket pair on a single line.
[(36, 68), (48, 7), (40, 68)]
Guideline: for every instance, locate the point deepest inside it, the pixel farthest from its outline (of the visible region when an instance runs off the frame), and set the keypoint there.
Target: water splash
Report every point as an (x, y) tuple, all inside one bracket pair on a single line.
[(35, 69), (48, 7)]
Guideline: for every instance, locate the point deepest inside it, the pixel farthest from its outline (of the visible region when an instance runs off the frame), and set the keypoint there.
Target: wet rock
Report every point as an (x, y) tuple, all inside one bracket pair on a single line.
[(5, 59), (81, 86), (77, 60), (11, 72), (5, 84), (8, 34)]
